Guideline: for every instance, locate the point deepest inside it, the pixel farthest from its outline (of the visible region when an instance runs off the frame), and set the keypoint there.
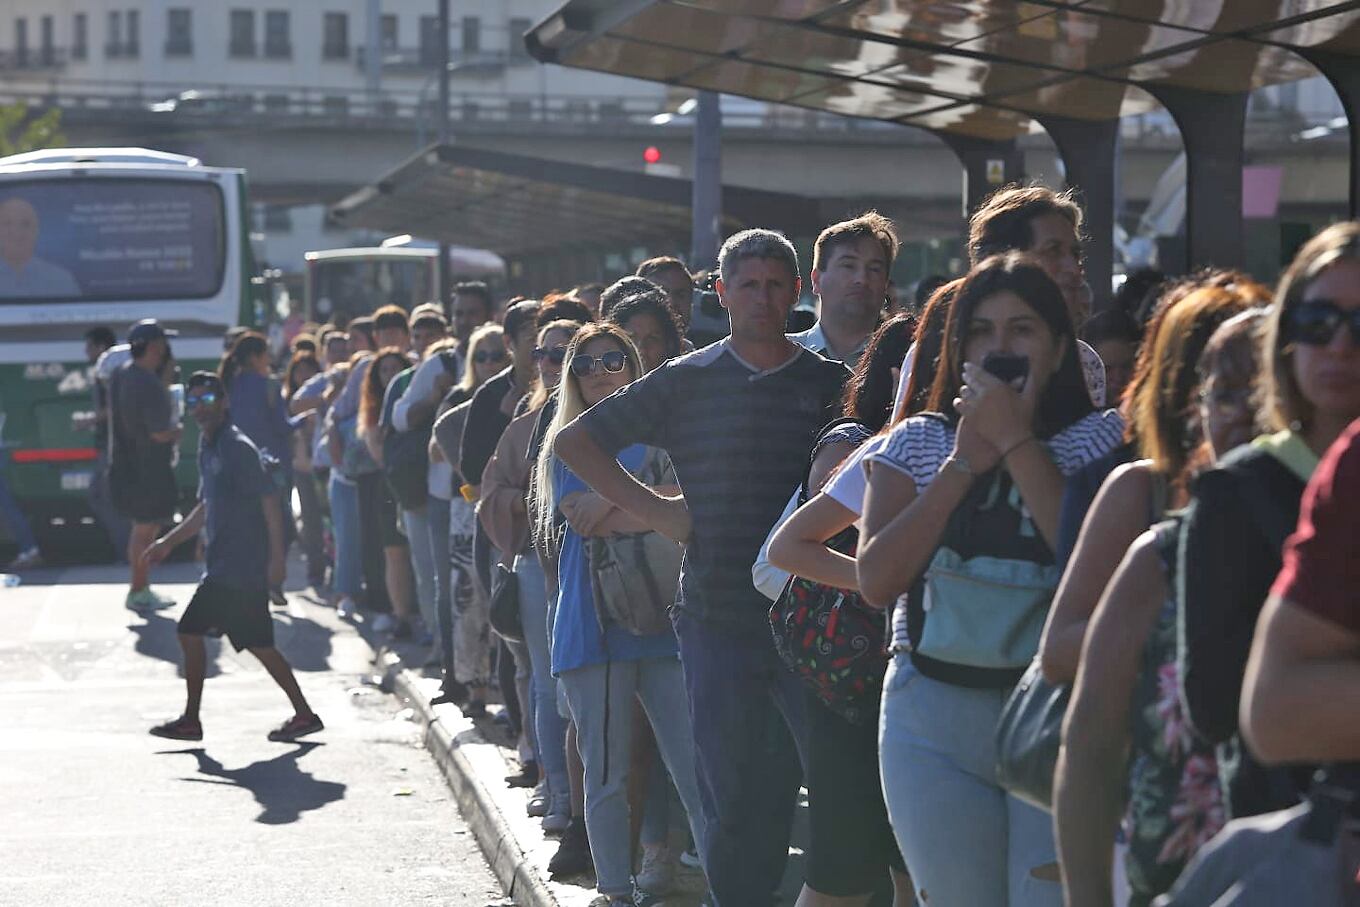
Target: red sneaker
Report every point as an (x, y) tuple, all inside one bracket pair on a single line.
[(179, 729), (295, 727)]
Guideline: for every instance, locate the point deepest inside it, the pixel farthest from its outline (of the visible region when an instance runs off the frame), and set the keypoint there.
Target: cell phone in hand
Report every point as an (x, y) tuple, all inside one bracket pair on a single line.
[(1007, 366)]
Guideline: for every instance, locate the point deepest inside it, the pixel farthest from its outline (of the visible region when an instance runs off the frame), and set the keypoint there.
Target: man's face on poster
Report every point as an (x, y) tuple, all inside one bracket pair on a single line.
[(18, 232)]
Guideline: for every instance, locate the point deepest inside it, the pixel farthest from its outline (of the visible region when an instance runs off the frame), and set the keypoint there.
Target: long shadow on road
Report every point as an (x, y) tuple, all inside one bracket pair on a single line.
[(283, 790)]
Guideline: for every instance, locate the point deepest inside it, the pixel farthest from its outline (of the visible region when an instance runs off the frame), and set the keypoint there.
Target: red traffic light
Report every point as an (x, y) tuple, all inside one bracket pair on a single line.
[(652, 154)]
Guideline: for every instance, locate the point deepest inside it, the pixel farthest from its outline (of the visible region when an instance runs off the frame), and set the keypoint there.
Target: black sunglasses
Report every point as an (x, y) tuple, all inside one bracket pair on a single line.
[(557, 355), (1315, 323), (488, 356), (207, 398), (613, 362)]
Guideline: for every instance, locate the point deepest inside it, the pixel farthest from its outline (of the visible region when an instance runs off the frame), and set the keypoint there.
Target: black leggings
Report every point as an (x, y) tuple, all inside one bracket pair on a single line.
[(372, 538)]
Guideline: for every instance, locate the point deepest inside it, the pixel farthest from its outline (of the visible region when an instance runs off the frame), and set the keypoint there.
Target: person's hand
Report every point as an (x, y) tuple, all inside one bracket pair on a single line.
[(1000, 415), (585, 511), (156, 552), (277, 569), (671, 518)]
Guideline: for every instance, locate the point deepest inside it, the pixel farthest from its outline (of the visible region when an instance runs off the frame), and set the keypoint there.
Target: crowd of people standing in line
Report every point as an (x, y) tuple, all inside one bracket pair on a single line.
[(894, 527)]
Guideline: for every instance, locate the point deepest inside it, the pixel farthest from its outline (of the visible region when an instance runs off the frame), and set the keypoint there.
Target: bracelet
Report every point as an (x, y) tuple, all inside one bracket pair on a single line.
[(1016, 446)]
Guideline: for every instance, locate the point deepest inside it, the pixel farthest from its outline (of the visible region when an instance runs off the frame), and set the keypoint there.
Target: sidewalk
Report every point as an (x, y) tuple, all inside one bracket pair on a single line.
[(475, 758)]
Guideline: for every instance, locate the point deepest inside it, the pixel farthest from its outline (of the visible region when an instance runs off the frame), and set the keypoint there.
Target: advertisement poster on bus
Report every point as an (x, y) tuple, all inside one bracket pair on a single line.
[(96, 240)]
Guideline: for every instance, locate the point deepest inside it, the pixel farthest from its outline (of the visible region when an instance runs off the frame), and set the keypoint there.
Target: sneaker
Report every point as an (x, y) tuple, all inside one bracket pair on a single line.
[(558, 817), (383, 623), (573, 854), (528, 775), (636, 898), (402, 629), (277, 598), (657, 873), (179, 729), (537, 807), (146, 600), (346, 607), (691, 859), (295, 727), (26, 560)]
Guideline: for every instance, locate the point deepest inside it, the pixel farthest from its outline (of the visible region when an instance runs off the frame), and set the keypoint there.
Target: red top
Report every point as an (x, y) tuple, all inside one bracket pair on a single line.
[(1322, 558)]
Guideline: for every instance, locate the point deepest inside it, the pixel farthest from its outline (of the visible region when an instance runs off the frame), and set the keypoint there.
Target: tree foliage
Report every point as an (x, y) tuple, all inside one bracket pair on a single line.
[(20, 131)]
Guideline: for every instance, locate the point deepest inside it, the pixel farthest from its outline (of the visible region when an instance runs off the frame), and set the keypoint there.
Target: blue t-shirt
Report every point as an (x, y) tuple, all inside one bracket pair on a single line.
[(258, 410), (232, 478), (577, 641)]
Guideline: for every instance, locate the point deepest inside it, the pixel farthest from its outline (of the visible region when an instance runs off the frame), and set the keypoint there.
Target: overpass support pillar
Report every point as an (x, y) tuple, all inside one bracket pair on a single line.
[(1212, 129), (1088, 152), (1344, 74), (987, 166)]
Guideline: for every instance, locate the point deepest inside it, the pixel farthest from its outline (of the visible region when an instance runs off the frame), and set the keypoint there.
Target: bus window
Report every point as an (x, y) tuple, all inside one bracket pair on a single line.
[(94, 240)]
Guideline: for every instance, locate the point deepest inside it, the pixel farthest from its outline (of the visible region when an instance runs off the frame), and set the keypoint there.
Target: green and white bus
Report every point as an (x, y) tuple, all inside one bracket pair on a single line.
[(105, 236)]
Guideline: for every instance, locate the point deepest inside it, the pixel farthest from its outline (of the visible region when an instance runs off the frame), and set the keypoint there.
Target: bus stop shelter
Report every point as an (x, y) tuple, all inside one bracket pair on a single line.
[(540, 214), (979, 74)]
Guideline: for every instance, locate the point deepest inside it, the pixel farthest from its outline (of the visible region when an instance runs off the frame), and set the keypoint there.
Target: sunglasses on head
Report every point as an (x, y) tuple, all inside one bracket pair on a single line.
[(207, 398), (613, 362), (488, 356), (1315, 323), (557, 355)]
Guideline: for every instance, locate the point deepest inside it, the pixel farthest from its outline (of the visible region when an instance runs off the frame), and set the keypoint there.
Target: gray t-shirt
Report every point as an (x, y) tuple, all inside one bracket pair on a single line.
[(139, 406)]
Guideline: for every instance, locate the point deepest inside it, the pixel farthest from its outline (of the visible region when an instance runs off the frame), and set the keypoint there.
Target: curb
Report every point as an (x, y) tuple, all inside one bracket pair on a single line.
[(507, 859)]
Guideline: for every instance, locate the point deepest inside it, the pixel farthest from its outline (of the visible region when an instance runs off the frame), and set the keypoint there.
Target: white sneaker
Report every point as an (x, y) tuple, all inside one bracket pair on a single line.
[(383, 623), (657, 874), (691, 859), (26, 559), (538, 801), (346, 607)]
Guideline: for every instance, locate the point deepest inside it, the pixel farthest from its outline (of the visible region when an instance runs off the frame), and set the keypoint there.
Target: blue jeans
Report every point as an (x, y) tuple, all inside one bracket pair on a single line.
[(437, 515), (10, 513), (347, 579), (417, 525), (749, 760), (550, 729), (965, 840), (604, 738)]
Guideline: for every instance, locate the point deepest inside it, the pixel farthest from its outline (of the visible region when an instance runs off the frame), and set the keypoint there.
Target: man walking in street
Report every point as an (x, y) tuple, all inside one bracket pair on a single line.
[(242, 523), (738, 418), (851, 262), (144, 435)]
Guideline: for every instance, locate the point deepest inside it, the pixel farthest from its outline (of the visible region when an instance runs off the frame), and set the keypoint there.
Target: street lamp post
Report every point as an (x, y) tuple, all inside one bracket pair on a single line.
[(443, 265)]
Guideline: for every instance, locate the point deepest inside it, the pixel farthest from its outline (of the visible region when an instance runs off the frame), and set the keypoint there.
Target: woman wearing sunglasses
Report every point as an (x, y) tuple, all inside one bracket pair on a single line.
[(603, 669), (503, 511), (1241, 512)]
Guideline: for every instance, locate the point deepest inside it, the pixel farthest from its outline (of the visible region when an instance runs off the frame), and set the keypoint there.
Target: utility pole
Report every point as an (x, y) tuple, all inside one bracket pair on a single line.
[(706, 197), (445, 282)]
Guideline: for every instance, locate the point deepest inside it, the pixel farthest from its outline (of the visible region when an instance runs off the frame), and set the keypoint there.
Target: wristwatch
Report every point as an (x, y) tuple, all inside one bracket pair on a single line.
[(961, 464)]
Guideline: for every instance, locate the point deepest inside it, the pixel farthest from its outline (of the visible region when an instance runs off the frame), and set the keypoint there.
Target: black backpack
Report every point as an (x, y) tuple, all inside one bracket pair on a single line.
[(406, 458)]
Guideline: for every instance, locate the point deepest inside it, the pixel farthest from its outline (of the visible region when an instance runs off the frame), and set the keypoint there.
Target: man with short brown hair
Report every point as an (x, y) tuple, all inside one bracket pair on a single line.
[(851, 262)]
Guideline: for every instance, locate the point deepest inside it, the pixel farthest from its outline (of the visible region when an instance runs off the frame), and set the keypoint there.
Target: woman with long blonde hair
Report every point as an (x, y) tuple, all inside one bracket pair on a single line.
[(601, 665)]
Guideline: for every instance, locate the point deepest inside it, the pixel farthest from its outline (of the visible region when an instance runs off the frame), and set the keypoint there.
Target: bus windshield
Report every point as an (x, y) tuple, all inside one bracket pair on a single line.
[(344, 288), (86, 239)]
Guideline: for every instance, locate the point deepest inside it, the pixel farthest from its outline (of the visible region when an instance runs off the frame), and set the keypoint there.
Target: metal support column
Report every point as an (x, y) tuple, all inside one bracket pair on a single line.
[(445, 282), (1343, 72), (987, 166), (1088, 152), (706, 197), (1212, 129)]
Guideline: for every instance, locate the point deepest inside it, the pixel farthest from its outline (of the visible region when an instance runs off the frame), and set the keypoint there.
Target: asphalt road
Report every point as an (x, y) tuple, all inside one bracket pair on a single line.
[(93, 810)]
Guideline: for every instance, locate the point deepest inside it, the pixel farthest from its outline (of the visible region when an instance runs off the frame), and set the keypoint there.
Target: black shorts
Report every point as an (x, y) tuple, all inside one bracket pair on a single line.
[(851, 843), (144, 493), (241, 614)]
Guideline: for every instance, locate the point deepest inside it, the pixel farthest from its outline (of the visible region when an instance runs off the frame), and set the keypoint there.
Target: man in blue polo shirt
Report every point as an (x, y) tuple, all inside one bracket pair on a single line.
[(242, 523), (738, 419)]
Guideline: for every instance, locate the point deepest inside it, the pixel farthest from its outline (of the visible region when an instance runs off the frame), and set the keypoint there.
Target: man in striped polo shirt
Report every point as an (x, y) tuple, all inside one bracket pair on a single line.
[(738, 418)]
